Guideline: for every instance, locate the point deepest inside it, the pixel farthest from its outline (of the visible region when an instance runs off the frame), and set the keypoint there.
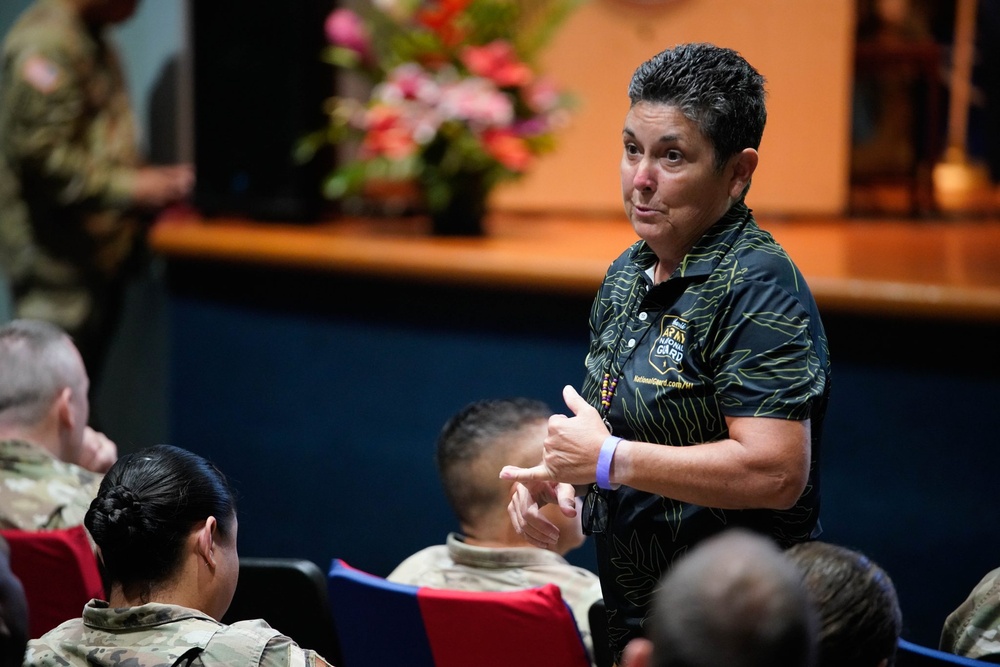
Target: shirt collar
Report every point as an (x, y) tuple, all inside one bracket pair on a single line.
[(498, 558), (707, 251), (98, 614)]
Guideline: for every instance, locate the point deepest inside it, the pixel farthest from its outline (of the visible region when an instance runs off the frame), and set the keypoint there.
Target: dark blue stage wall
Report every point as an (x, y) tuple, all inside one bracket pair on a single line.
[(321, 396)]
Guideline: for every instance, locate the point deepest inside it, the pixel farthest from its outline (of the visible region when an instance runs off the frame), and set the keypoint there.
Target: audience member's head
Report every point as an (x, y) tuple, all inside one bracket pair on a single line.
[(164, 522), (859, 614), (43, 388), (13, 613), (733, 601), (472, 448)]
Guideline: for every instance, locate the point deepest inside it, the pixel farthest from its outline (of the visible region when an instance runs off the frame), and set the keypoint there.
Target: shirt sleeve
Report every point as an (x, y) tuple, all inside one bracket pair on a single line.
[(764, 357), (281, 651)]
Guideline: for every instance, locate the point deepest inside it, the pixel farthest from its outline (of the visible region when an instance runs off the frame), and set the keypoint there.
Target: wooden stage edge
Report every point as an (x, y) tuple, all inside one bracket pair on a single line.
[(902, 267)]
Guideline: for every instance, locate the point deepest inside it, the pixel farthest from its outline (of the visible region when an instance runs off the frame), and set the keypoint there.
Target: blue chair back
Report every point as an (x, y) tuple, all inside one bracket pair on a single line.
[(909, 654), (379, 622)]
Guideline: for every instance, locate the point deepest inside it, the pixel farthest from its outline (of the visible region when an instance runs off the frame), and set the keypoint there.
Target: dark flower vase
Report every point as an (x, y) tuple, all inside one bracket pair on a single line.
[(464, 214)]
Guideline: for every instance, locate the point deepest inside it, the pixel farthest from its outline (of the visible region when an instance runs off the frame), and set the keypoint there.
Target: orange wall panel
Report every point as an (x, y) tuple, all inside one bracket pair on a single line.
[(803, 47)]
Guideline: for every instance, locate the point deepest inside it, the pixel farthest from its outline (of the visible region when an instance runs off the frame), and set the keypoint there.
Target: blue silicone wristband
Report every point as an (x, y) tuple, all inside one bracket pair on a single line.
[(604, 462)]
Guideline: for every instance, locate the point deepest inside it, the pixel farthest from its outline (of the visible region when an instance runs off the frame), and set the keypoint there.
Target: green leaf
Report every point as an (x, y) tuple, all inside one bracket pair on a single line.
[(307, 147), (341, 57)]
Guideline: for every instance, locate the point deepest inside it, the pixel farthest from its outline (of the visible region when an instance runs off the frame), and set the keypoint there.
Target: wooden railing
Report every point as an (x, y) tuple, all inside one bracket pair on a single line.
[(944, 269)]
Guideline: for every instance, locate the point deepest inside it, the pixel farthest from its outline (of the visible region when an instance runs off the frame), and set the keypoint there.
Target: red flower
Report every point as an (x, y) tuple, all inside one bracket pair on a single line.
[(387, 134), (441, 18), (509, 149), (498, 62)]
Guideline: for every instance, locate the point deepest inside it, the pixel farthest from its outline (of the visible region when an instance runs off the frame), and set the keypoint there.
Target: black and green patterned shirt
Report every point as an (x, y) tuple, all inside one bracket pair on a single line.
[(734, 332)]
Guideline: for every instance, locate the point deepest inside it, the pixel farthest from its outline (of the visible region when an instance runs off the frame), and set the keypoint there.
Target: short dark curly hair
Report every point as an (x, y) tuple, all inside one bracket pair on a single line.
[(483, 431), (860, 618)]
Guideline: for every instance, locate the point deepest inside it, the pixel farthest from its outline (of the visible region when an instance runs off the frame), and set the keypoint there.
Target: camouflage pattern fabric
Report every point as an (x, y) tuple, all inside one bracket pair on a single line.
[(39, 491), (67, 158), (161, 635), (464, 567), (973, 630)]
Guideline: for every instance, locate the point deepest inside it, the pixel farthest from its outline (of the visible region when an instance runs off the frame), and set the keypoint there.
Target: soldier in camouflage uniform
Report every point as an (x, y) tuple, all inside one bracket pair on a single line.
[(72, 187), (973, 630), (165, 522), (161, 635), (39, 491), (489, 555), (44, 437)]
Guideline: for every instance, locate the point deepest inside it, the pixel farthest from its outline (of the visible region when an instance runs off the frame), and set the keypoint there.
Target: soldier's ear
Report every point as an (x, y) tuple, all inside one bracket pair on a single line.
[(64, 409), (205, 541)]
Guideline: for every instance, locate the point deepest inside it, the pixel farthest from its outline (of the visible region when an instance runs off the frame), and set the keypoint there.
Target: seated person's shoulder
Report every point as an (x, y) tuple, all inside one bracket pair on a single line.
[(971, 629), (240, 643), (422, 567)]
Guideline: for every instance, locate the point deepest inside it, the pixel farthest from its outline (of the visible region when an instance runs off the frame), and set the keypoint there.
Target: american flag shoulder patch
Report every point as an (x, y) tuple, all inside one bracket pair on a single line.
[(41, 73)]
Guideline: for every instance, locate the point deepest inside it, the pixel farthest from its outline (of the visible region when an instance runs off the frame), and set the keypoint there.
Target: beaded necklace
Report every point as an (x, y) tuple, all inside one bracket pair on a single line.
[(608, 386)]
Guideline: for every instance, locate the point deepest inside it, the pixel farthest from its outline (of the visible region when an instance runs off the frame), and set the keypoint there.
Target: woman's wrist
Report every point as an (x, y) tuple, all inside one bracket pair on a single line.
[(605, 457), (610, 470), (619, 463)]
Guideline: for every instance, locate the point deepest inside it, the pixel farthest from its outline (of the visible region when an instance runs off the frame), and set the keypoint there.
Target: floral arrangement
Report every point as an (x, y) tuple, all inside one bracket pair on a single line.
[(456, 103)]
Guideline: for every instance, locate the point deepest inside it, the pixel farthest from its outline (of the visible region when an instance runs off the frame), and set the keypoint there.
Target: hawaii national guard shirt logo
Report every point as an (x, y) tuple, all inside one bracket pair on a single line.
[(667, 353)]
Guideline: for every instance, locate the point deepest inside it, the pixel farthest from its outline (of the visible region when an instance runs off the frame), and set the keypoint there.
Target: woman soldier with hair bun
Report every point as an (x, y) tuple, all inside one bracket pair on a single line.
[(164, 522)]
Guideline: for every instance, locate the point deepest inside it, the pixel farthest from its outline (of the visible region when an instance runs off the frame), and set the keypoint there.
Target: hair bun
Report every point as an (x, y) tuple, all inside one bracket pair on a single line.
[(122, 503), (116, 515)]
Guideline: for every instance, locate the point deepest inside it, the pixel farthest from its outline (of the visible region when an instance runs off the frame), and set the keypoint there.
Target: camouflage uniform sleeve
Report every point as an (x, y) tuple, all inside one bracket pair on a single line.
[(281, 651), (973, 630), (48, 102), (255, 643), (75, 500)]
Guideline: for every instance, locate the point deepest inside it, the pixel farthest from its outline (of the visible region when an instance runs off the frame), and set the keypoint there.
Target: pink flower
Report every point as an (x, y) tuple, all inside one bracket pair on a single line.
[(498, 62), (542, 96), (344, 28), (477, 101), (532, 127), (408, 82), (509, 149), (415, 94)]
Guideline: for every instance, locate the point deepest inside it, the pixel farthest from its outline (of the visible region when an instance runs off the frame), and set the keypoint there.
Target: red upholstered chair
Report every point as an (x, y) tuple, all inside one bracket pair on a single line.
[(382, 623), (59, 573)]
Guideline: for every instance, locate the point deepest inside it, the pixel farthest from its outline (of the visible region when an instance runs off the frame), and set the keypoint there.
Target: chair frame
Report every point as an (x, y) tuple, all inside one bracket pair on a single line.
[(909, 654)]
